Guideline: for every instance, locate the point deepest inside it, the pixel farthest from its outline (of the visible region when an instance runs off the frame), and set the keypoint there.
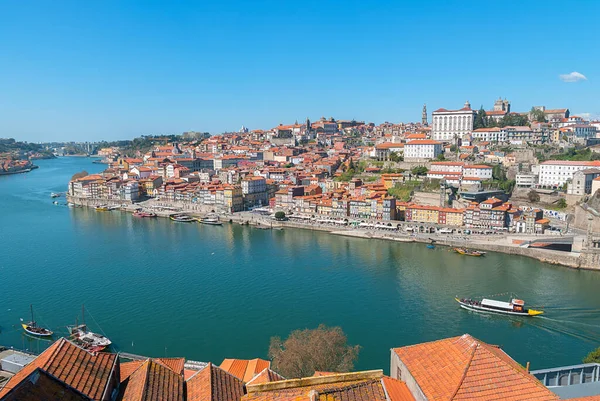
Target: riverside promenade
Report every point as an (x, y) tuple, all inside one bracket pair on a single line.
[(503, 243)]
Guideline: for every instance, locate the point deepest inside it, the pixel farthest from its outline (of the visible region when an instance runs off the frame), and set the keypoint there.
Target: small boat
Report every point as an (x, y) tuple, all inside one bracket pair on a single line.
[(101, 208), (430, 246), (33, 329), (143, 214), (113, 207), (513, 307), (181, 218), (86, 339), (211, 220), (468, 252), (55, 195)]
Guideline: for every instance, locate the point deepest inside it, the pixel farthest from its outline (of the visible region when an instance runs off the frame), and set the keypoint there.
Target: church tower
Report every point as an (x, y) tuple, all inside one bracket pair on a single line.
[(424, 115)]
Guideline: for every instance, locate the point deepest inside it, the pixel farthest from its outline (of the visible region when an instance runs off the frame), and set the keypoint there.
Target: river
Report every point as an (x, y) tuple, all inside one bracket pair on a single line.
[(207, 292)]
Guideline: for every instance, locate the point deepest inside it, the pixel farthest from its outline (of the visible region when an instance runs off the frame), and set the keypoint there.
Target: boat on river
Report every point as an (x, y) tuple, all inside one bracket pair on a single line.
[(92, 342), (142, 214), (181, 218), (468, 252), (101, 208), (33, 329), (211, 220), (513, 307), (55, 195)]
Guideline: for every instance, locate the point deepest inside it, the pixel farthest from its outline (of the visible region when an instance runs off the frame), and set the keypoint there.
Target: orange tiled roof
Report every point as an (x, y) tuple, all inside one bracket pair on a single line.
[(464, 368), (397, 390), (244, 369), (40, 386), (266, 376), (213, 383), (87, 373), (152, 381)]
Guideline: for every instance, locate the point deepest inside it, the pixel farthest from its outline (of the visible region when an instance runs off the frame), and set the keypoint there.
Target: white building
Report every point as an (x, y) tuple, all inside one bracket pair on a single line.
[(421, 150), (451, 167), (480, 171), (447, 125), (554, 173), (493, 134), (581, 183), (253, 184), (526, 180)]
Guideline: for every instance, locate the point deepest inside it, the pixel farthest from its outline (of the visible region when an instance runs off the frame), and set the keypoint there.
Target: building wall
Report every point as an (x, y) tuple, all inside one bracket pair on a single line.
[(399, 371)]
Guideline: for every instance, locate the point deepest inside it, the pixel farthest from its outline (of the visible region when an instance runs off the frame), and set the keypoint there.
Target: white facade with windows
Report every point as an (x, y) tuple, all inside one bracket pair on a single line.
[(494, 134), (479, 171), (420, 150), (446, 125), (554, 173)]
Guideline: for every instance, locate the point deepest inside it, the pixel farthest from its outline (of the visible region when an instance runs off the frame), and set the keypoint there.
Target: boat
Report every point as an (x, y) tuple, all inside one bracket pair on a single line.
[(181, 218), (81, 335), (430, 246), (211, 220), (101, 208), (113, 207), (33, 329), (55, 195), (513, 307), (143, 214), (468, 252)]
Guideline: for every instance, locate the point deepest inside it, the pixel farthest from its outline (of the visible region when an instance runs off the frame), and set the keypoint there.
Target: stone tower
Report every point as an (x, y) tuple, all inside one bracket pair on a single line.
[(424, 115)]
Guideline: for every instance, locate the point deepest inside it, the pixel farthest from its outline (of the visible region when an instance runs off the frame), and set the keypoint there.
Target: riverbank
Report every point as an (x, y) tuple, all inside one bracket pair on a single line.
[(507, 244)]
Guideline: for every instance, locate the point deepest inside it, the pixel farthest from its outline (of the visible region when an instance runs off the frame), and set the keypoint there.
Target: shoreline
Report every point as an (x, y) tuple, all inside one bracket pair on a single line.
[(571, 260)]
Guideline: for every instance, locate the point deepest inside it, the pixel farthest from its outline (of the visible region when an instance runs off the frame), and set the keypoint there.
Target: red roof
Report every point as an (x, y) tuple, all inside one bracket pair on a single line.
[(245, 369), (464, 368)]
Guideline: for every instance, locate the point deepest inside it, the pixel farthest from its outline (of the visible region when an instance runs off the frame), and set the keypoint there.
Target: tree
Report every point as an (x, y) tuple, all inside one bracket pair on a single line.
[(306, 351), (498, 173), (419, 170), (441, 157), (537, 115), (593, 357), (79, 175), (396, 157), (533, 196), (480, 120), (279, 215), (562, 203), (513, 119)]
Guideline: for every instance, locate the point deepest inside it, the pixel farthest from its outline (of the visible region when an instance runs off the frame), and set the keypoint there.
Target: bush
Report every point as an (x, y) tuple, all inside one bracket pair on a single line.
[(280, 215), (419, 170), (593, 357), (562, 203)]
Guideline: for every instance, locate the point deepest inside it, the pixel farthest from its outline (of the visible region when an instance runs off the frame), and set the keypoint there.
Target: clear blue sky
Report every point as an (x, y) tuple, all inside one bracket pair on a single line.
[(90, 70)]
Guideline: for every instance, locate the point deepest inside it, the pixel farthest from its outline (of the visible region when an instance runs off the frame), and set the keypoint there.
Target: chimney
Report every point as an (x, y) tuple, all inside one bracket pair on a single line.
[(313, 395), (527, 367)]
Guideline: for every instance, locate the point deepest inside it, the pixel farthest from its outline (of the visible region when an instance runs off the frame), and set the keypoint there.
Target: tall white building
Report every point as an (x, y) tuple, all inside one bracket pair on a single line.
[(446, 125), (554, 173)]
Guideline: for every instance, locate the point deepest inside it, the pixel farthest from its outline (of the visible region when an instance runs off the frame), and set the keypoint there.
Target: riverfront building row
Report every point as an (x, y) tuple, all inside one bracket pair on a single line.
[(457, 368)]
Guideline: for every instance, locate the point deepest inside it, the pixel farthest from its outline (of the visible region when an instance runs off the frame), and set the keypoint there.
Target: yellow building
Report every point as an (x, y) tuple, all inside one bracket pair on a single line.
[(390, 180)]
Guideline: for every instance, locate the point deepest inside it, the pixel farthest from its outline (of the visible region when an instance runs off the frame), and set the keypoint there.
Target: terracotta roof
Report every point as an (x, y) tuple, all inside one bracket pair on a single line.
[(397, 390), (152, 381), (356, 386), (40, 386), (464, 368), (266, 376), (213, 383), (127, 368), (245, 369), (423, 142), (77, 368)]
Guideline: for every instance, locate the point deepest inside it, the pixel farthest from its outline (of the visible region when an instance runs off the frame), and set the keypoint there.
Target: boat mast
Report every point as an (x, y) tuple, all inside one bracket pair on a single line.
[(31, 308), (83, 313)]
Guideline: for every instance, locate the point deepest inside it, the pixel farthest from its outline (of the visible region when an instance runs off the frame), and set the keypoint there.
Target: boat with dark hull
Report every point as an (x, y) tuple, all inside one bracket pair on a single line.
[(92, 342), (211, 220), (182, 218), (33, 329), (515, 307), (143, 214), (468, 252)]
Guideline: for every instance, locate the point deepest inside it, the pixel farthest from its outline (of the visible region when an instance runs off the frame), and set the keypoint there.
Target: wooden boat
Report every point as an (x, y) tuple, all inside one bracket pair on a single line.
[(33, 329), (101, 208), (55, 195), (181, 218), (468, 252), (143, 214), (86, 339), (513, 307)]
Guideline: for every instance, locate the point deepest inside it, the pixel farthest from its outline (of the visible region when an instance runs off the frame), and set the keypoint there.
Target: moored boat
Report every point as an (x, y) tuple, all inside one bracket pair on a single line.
[(143, 214), (55, 195), (513, 307), (181, 218), (101, 208), (211, 220), (81, 335), (468, 252), (33, 329)]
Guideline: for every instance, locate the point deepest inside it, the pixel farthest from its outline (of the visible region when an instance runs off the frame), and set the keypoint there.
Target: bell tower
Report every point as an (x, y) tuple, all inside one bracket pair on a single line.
[(424, 115)]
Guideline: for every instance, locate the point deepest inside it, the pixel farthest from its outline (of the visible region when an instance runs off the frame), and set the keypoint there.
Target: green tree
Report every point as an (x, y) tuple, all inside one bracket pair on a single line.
[(537, 115), (513, 119), (498, 173), (279, 215), (562, 203), (419, 170), (593, 357), (441, 157), (396, 157), (480, 119), (306, 351)]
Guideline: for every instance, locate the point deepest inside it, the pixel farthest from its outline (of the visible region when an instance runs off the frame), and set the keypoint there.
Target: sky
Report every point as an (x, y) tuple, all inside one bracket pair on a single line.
[(93, 70)]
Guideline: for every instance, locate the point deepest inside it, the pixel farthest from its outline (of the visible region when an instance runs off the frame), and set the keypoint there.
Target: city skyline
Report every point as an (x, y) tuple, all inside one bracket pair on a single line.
[(109, 71)]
